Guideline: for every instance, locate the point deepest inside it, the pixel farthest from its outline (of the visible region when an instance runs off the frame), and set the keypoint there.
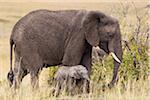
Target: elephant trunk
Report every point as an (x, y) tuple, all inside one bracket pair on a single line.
[(115, 49)]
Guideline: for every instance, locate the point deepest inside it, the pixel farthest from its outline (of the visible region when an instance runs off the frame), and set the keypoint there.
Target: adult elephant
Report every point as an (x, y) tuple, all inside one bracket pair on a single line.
[(45, 38)]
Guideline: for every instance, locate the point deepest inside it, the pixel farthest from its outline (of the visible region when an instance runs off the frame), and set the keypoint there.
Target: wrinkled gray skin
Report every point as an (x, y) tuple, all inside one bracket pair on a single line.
[(70, 78), (46, 38)]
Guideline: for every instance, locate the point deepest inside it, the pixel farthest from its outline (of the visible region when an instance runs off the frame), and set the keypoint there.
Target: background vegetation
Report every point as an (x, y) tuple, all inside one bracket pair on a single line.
[(134, 73)]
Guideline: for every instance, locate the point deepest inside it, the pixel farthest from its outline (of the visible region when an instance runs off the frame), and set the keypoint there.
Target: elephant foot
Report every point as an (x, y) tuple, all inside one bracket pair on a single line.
[(72, 80)]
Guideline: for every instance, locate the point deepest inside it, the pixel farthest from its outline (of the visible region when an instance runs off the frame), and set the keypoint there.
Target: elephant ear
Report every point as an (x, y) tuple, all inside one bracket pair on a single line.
[(90, 25)]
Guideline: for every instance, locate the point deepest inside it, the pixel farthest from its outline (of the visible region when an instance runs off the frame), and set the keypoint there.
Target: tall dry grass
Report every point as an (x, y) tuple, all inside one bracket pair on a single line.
[(134, 74)]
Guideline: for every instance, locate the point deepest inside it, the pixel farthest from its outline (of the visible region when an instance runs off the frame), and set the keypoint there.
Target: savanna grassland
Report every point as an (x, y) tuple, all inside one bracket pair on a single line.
[(134, 74)]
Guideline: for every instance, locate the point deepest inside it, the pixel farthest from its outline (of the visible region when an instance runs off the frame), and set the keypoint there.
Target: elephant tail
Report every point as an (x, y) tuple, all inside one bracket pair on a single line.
[(10, 75), (11, 52)]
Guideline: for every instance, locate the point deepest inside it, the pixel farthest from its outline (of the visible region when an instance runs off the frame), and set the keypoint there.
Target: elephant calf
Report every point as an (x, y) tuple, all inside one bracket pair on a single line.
[(71, 78)]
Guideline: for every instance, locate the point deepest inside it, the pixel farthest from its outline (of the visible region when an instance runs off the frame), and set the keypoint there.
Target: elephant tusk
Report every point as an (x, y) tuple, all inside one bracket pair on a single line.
[(115, 57)]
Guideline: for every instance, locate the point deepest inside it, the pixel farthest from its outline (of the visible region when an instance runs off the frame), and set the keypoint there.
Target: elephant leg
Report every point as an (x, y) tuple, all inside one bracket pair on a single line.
[(59, 85), (87, 62), (19, 73), (17, 80), (71, 84), (87, 58), (23, 74), (19, 77), (57, 88), (85, 86), (34, 79), (35, 66)]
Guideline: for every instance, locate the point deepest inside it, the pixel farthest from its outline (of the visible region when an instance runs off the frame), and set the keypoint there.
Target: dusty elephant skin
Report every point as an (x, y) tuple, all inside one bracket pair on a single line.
[(71, 79), (46, 38)]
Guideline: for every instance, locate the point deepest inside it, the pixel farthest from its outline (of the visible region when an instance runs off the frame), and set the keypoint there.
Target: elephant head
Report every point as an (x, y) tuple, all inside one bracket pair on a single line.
[(103, 31)]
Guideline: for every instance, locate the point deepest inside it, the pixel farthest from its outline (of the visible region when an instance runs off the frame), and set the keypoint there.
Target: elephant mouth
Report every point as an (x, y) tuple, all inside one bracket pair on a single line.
[(104, 45)]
